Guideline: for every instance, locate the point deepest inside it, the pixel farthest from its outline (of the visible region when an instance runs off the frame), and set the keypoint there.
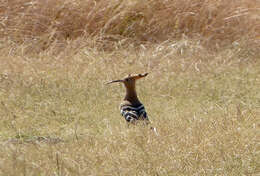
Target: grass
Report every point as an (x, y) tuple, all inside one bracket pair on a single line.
[(202, 94)]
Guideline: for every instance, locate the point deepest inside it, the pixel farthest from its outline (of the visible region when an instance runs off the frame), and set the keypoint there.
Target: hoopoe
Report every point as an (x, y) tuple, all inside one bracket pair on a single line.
[(131, 108)]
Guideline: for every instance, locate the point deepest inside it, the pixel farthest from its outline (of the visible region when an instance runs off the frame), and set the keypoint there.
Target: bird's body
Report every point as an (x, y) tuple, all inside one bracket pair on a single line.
[(133, 114)]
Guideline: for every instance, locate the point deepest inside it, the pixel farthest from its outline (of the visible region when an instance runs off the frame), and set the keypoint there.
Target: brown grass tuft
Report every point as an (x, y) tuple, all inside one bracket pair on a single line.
[(43, 23)]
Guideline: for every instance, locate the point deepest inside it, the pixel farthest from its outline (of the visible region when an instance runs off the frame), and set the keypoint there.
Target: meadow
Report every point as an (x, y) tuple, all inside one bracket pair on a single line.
[(58, 117)]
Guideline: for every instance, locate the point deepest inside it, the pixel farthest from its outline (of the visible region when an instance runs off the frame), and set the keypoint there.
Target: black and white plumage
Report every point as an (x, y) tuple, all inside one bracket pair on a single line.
[(134, 113)]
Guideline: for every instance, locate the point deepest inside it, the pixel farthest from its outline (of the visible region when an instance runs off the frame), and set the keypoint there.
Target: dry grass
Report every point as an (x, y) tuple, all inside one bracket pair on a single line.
[(40, 25), (202, 93)]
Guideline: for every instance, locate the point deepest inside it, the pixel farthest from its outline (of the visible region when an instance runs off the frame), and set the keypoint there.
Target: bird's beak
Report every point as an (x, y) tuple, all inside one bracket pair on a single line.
[(115, 81)]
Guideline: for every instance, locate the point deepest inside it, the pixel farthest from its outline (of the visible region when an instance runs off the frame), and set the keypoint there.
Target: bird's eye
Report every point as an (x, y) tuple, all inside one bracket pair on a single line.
[(127, 79)]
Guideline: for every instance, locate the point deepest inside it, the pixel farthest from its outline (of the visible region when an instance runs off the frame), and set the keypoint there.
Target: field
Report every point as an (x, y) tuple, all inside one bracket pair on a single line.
[(58, 117)]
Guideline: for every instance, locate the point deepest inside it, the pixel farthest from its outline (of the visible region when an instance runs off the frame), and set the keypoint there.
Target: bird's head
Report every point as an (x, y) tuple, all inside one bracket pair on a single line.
[(129, 81)]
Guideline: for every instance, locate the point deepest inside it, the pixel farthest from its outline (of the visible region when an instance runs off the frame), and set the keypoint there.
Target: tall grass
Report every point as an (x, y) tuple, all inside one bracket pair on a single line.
[(41, 23), (202, 94)]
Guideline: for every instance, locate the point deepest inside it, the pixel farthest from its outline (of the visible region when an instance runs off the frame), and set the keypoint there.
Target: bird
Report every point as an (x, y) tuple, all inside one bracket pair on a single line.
[(131, 108)]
